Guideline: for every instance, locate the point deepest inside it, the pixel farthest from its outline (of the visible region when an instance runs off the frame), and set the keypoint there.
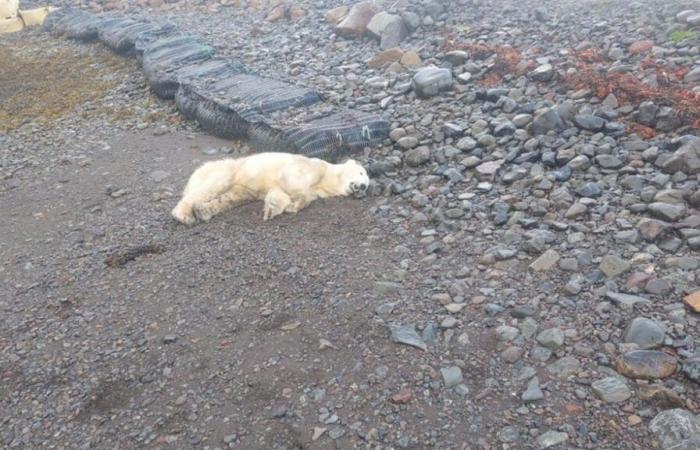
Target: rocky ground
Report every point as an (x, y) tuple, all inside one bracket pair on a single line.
[(524, 274)]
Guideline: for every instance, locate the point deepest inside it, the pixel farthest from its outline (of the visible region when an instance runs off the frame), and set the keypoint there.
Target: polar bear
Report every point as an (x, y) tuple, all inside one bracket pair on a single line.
[(285, 182)]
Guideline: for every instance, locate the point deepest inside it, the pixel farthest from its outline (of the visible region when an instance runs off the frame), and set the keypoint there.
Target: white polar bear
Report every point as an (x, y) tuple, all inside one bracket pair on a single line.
[(284, 181)]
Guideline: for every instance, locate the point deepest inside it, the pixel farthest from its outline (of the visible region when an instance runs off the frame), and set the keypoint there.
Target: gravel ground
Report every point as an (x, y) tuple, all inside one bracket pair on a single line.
[(518, 278)]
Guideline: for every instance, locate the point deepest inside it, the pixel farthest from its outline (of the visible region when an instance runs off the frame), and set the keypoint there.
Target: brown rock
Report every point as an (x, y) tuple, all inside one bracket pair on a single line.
[(257, 5), (155, 3), (660, 396), (411, 59), (402, 397), (276, 13), (383, 59), (693, 300), (646, 364), (296, 13), (355, 24), (335, 15), (641, 47)]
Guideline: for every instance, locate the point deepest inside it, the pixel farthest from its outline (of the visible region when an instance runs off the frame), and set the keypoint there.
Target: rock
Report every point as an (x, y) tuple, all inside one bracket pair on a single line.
[(506, 333), (388, 28), (411, 59), (589, 190), (335, 15), (608, 162), (640, 47), (552, 438), (456, 57), (357, 19), (385, 58), (626, 300), (613, 266), (611, 390), (646, 114), (406, 334), (544, 72), (407, 142), (693, 301), (646, 364), (551, 338), (547, 121), (417, 156), (158, 175), (451, 376), (660, 396), (686, 159), (666, 211), (276, 13), (533, 392), (564, 367), (676, 429), (545, 262), (589, 122), (693, 76), (487, 171), (691, 368), (646, 333), (402, 397), (430, 81)]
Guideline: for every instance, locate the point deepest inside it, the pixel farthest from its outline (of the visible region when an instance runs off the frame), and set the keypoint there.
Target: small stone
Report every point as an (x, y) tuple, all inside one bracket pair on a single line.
[(430, 81), (646, 333), (611, 390), (318, 432), (551, 338), (402, 397), (357, 19), (417, 156), (666, 211), (693, 301), (169, 339), (533, 392), (626, 300), (564, 367), (545, 262), (385, 58), (406, 334), (613, 266), (691, 368), (551, 438), (646, 364), (451, 376), (410, 59)]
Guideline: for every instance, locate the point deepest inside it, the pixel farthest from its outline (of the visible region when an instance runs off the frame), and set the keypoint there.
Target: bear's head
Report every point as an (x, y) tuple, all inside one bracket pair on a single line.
[(354, 178)]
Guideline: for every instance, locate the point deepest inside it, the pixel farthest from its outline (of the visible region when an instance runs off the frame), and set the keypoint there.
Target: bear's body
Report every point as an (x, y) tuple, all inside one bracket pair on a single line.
[(284, 181)]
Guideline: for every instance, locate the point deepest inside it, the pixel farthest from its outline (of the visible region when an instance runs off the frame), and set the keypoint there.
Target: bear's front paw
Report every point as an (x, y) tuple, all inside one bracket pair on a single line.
[(183, 214)]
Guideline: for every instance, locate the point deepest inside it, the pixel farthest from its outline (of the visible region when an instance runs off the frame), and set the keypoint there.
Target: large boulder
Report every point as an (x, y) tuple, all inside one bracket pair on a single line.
[(355, 23), (677, 429), (388, 28)]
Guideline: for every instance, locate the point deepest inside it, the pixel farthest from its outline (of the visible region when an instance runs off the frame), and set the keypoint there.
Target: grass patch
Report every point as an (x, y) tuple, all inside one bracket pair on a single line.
[(682, 35)]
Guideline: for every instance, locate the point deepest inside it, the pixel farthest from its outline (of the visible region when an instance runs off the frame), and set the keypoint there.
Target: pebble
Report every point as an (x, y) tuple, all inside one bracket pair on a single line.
[(611, 390)]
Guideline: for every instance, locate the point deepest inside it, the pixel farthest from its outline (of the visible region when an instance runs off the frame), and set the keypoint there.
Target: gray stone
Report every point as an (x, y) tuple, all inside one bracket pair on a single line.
[(544, 72), (547, 121), (551, 438), (589, 190), (686, 159), (564, 367), (417, 156), (676, 429), (646, 115), (552, 338), (533, 392), (613, 266), (589, 122), (430, 81), (611, 390), (406, 334), (608, 162), (693, 76), (646, 333), (691, 368), (545, 262), (666, 211), (451, 376), (626, 300)]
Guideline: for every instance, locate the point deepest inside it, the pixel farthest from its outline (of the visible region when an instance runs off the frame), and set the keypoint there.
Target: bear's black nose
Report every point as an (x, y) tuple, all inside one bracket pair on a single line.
[(362, 187)]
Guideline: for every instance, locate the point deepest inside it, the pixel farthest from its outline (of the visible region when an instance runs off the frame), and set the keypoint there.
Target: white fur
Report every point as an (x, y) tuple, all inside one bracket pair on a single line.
[(284, 181)]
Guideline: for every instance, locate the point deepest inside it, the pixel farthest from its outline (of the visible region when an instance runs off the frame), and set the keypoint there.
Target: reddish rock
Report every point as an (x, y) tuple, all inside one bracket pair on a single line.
[(355, 24), (402, 397), (411, 59), (641, 47), (383, 59), (276, 13), (296, 14), (335, 15), (637, 279), (660, 396), (693, 301), (646, 365)]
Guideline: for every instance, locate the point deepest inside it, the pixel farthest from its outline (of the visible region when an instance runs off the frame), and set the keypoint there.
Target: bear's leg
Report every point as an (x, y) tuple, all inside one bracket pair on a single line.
[(184, 213), (207, 209), (297, 205), (276, 202)]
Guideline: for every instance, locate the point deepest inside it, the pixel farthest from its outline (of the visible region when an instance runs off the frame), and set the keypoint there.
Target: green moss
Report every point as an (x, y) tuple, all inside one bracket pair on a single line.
[(682, 35)]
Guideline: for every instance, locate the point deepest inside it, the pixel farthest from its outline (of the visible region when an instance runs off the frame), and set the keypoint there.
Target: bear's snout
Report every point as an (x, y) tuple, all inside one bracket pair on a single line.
[(358, 188)]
